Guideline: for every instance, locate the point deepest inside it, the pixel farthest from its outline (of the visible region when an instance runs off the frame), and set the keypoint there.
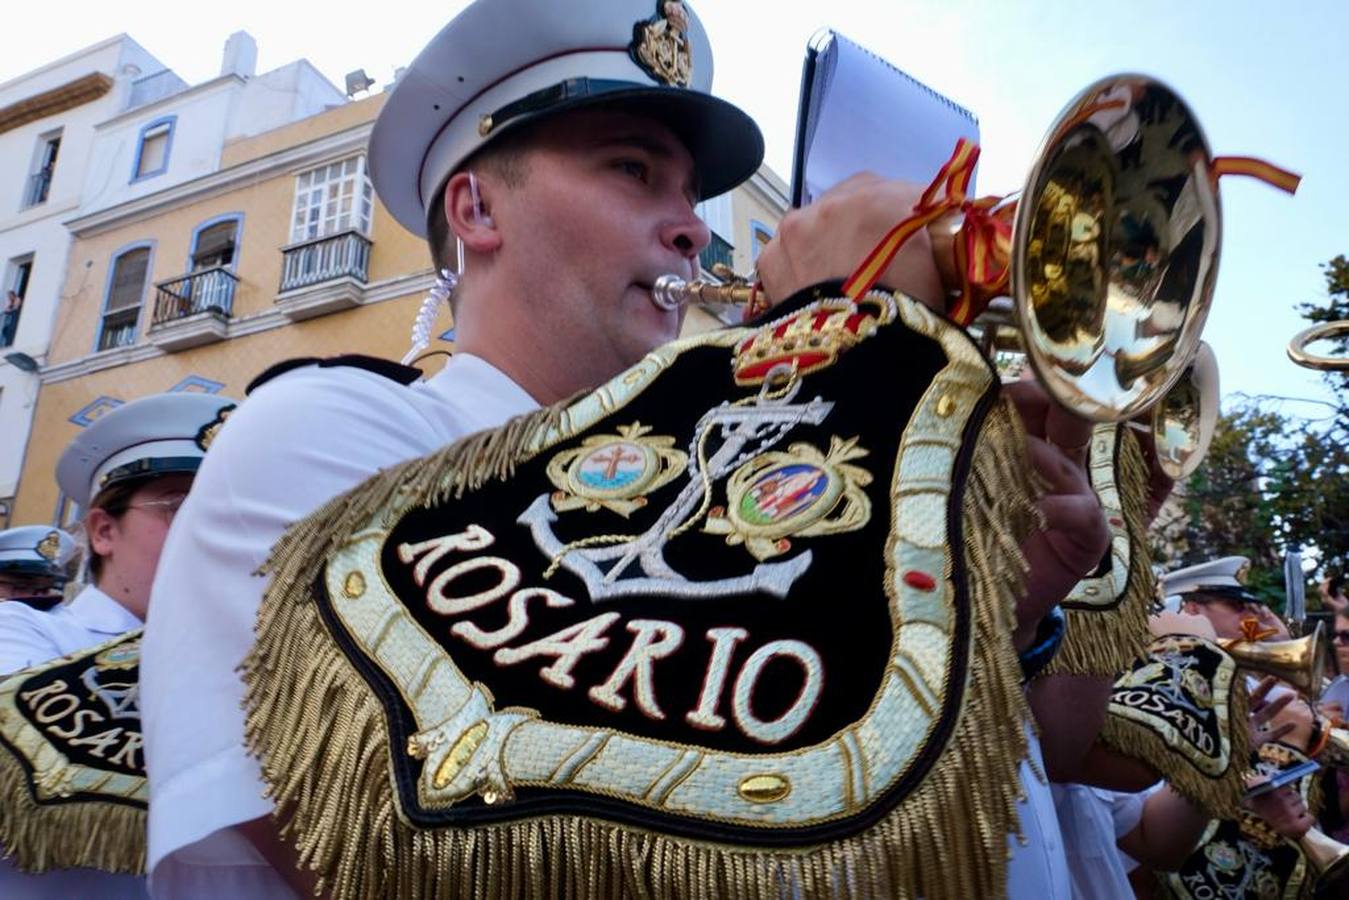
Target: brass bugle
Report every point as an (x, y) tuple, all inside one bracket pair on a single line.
[(1110, 278), (1299, 662), (1328, 858), (1297, 347)]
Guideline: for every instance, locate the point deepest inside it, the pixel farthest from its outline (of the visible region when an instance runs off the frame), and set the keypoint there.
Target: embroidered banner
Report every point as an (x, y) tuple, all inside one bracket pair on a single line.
[(1182, 710), (713, 613), (1244, 857), (72, 771)]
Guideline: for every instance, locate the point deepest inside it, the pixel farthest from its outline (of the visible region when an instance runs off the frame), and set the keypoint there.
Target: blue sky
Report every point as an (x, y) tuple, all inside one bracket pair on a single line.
[(1268, 80)]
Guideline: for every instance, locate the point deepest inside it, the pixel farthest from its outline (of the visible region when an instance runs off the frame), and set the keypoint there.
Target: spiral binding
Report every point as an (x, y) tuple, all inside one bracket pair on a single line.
[(440, 293)]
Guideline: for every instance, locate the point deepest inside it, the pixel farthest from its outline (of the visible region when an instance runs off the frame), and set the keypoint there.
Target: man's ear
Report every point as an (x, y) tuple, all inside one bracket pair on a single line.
[(469, 212), (100, 527)]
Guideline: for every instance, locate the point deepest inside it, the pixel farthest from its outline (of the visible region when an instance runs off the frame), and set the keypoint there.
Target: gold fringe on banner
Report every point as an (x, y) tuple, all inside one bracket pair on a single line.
[(322, 739), (40, 837), (1219, 797), (1105, 642)]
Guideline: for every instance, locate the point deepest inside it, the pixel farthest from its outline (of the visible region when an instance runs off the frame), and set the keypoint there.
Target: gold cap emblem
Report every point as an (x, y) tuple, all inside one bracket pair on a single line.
[(50, 546), (660, 44), (208, 431)]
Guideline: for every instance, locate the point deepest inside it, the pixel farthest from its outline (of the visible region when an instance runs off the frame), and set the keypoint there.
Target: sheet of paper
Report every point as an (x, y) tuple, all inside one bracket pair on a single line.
[(860, 113)]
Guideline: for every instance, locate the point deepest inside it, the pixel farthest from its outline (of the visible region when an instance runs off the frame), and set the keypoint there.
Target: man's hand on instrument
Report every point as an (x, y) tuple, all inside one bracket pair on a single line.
[(1075, 535), (830, 238), (1264, 711), (1284, 811)]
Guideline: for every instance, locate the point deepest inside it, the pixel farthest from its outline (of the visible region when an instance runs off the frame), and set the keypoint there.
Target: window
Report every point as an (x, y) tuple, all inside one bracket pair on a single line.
[(152, 151), (126, 287), (761, 234), (215, 245), (43, 168), (16, 289), (332, 199)]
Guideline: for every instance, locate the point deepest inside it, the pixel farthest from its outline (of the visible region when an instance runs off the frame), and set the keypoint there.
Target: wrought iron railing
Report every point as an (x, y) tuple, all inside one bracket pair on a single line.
[(210, 290), (39, 185), (342, 255), (119, 329), (719, 251)]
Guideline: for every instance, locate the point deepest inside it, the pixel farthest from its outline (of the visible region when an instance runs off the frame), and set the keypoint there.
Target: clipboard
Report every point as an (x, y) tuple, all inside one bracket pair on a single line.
[(858, 112)]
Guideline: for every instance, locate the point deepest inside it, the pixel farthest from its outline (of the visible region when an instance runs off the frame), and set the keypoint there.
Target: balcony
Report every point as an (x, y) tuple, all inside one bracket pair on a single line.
[(323, 275), (193, 309), (719, 251), (39, 185)]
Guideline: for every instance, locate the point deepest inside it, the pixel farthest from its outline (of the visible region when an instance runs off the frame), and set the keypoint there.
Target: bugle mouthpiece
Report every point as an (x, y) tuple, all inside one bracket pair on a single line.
[(672, 292)]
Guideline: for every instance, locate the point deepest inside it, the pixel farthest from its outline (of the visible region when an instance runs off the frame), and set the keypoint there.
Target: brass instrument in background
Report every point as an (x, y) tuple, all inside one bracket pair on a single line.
[(1300, 662), (1327, 856), (1297, 347), (1113, 262)]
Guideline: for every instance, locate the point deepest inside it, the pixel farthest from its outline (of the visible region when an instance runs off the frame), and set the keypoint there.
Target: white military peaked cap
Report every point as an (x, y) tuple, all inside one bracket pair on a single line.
[(501, 63), (157, 435), (1225, 577), (38, 550)]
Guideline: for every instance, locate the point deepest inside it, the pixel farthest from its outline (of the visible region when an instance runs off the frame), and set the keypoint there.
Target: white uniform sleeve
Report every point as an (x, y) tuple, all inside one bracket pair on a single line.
[(297, 442), (23, 642)]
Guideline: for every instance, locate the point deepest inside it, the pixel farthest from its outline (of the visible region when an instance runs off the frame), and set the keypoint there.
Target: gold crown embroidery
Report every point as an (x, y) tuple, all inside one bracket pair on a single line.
[(810, 340)]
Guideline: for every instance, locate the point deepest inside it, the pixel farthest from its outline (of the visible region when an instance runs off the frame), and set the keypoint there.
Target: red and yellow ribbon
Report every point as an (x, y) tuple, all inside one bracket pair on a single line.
[(954, 178), (1252, 633), (1251, 167), (983, 248)]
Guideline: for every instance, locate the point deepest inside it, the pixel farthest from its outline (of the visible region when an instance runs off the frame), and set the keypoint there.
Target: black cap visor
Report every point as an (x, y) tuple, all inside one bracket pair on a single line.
[(726, 146)]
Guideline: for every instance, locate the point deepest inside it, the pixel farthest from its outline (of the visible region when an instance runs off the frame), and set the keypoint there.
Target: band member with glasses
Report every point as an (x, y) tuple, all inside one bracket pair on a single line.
[(130, 471)]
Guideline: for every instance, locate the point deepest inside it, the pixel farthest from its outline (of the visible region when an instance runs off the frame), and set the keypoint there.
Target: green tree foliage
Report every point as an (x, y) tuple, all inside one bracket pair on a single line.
[(1274, 481), (1229, 507)]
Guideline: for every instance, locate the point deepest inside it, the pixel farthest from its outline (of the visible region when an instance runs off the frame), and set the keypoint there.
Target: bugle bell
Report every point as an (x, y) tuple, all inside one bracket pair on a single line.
[(1299, 662), (1114, 255), (1328, 858), (1298, 353)]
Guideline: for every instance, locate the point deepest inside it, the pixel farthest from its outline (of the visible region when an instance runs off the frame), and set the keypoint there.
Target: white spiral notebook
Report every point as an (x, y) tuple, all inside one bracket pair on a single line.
[(859, 113)]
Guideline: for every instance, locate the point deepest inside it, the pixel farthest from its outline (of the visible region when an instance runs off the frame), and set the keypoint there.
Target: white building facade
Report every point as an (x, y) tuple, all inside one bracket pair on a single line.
[(98, 129), (48, 120)]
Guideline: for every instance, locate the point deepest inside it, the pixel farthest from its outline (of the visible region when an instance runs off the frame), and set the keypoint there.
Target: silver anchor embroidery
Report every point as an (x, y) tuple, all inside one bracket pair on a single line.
[(745, 431)]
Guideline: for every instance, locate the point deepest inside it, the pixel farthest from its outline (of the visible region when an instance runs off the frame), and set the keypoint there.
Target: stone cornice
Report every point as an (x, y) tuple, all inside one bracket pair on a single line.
[(82, 90)]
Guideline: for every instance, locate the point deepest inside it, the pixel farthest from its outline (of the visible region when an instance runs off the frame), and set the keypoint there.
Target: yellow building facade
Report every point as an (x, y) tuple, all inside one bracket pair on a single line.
[(282, 252)]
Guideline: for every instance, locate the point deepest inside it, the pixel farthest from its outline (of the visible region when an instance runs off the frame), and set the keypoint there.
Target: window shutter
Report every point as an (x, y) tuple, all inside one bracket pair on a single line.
[(128, 279)]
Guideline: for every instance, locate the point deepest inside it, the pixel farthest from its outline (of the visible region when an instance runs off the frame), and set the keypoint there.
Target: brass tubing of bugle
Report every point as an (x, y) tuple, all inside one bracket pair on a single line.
[(672, 292), (1298, 353)]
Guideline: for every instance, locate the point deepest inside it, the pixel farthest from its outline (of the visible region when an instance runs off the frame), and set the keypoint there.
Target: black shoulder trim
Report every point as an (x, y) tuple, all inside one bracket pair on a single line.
[(385, 367)]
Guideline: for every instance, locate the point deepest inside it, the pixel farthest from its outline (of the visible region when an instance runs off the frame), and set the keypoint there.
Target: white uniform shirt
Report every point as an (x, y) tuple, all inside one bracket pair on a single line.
[(1093, 820), (1037, 869), (29, 637), (295, 443)]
